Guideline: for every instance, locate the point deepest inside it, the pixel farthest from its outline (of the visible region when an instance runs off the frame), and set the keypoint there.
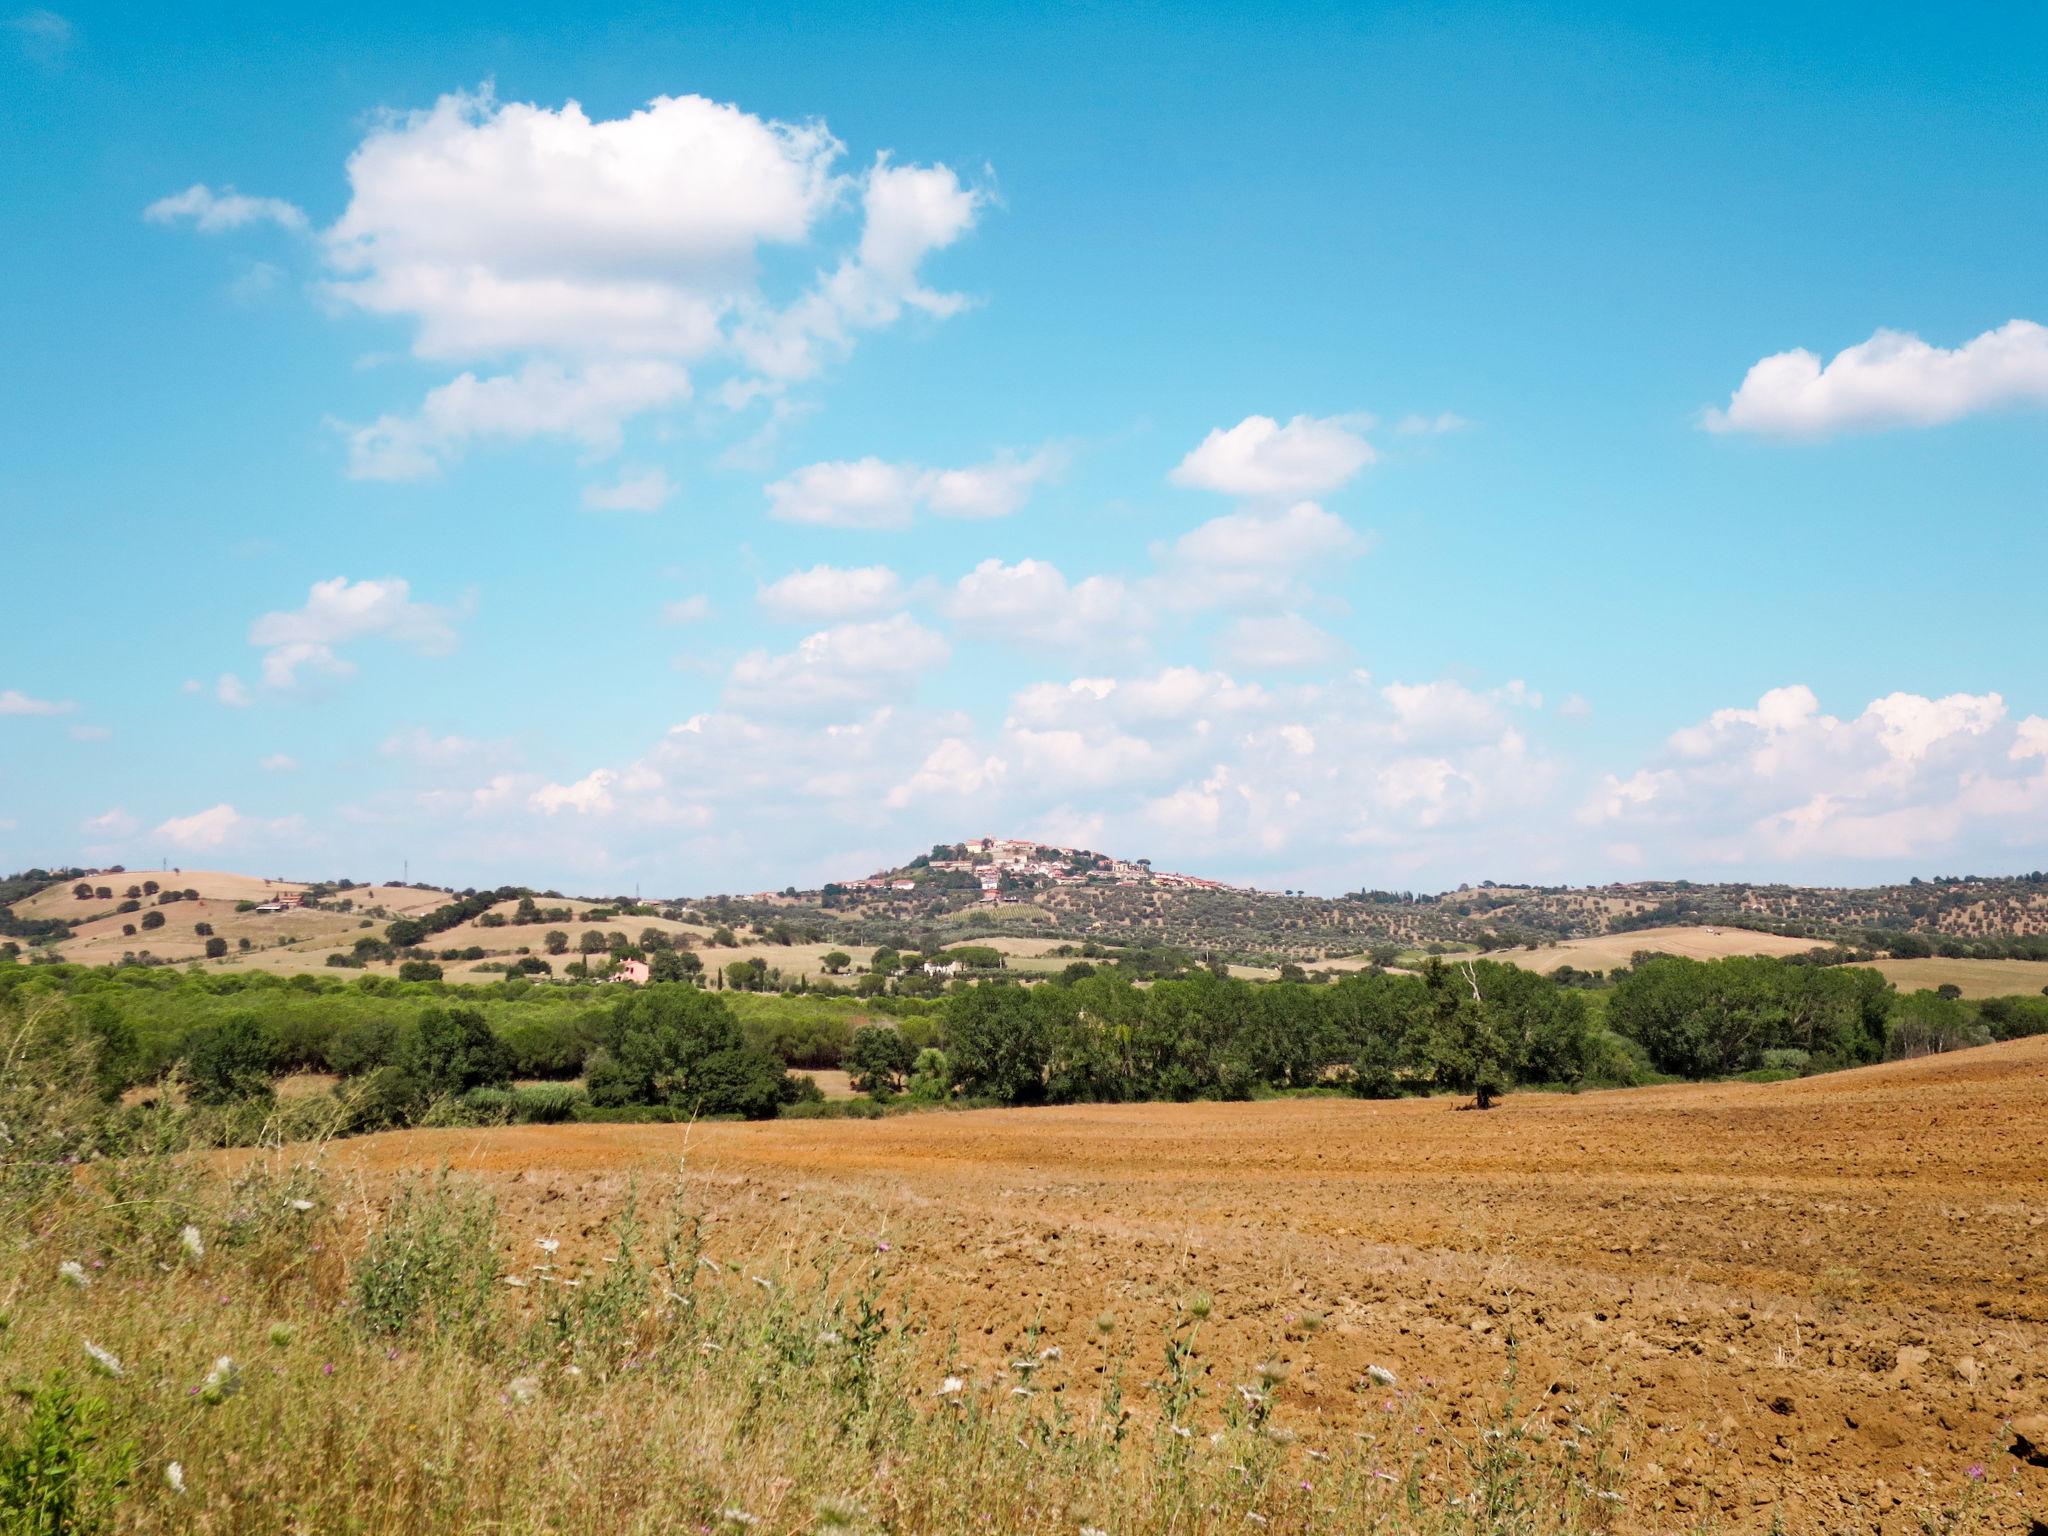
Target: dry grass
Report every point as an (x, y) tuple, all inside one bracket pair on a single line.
[(1977, 978), (1608, 950)]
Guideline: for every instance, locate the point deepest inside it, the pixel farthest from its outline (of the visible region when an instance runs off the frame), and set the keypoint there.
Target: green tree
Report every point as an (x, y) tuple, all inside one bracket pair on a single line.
[(1000, 1042), (836, 961), (1466, 1046), (556, 941), (877, 1058), (674, 965), (230, 1060), (216, 948), (679, 1046), (590, 942), (419, 970), (454, 1050), (152, 920)]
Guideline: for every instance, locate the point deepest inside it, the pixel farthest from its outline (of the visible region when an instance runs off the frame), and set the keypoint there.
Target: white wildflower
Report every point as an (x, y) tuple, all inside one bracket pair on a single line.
[(739, 1517), (174, 1477), (222, 1382), (523, 1389), (1315, 1455), (514, 1280), (106, 1360), (764, 1282), (74, 1271), (192, 1243), (1022, 1392), (1183, 1431), (302, 1206), (827, 1336), (547, 1245), (952, 1386), (1380, 1376), (1255, 1517), (1093, 1530), (1050, 1352)]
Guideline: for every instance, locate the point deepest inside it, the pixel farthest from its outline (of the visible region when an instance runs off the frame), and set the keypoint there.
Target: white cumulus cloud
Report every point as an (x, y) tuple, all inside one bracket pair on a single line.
[(873, 493), (1032, 603), (838, 668), (338, 612), (1259, 458), (826, 593), (1892, 380)]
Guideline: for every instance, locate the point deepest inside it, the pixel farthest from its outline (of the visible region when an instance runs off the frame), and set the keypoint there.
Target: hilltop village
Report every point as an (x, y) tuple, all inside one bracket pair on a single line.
[(1007, 868)]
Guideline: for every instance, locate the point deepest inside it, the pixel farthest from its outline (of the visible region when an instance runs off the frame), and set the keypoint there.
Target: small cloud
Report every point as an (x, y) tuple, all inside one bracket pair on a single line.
[(422, 746), (232, 691), (44, 36), (694, 609), (15, 702), (112, 823), (1576, 707), (279, 762), (873, 494), (257, 282), (1416, 424), (646, 490), (90, 733), (1260, 458), (221, 824), (213, 212)]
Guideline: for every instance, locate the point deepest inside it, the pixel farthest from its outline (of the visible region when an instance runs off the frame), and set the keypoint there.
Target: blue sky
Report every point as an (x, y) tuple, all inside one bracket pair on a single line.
[(1317, 447)]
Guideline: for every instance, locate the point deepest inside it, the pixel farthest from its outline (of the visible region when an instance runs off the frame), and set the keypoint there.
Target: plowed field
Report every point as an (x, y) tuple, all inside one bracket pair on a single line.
[(1814, 1300)]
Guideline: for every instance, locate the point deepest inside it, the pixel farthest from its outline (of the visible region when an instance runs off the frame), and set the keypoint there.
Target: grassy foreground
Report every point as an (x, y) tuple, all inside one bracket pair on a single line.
[(197, 1344), (191, 1346)]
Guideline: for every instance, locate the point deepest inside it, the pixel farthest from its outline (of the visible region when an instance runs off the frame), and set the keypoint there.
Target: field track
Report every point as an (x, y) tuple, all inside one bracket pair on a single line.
[(1818, 1297)]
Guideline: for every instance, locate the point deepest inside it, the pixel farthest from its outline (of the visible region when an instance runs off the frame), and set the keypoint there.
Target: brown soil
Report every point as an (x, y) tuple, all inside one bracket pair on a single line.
[(1818, 1300)]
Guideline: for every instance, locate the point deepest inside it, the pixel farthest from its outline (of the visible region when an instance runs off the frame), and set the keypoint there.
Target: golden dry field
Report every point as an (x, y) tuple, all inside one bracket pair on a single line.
[(1815, 1302)]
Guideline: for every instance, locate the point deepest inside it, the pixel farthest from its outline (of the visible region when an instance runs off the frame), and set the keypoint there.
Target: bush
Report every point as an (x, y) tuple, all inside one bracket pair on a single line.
[(454, 1050), (360, 1045), (231, 1060), (419, 970)]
